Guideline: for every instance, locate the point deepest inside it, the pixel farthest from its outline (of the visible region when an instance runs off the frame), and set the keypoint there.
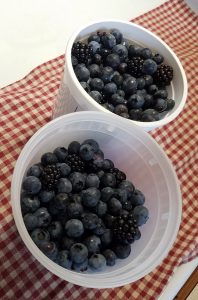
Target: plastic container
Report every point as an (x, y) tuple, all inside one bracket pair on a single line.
[(145, 164), (72, 97)]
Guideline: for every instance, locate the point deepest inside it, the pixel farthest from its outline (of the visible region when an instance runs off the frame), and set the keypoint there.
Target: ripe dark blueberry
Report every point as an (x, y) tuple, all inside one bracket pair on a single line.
[(29, 204), (34, 170), (97, 261), (119, 175), (122, 68), (63, 186), (86, 152), (107, 164), (63, 259), (100, 228), (85, 86), (110, 257), (137, 198), (128, 186), (82, 73), (158, 58), (121, 93), (104, 52), (112, 60), (125, 43), (106, 238), (170, 104), (74, 147), (95, 46), (61, 200), (141, 214), (108, 106), (66, 243), (121, 195), (94, 70), (149, 115), (110, 89), (49, 159), (135, 101), (106, 193), (78, 253), (114, 206), (108, 180), (161, 94), (74, 210), (122, 251), (94, 37), (30, 221), (129, 85), (31, 185), (120, 109), (149, 67), (142, 92), (92, 180), (96, 84), (49, 249), (98, 154), (74, 61), (140, 83), (134, 50), (46, 196), (61, 153), (117, 99), (118, 36), (74, 228), (90, 221), (148, 101), (152, 89), (43, 217), (100, 209), (97, 96), (118, 80), (97, 59), (64, 169), (160, 104), (148, 80), (121, 51), (146, 53), (93, 243), (55, 230), (90, 197), (135, 114), (80, 267), (40, 235), (78, 181), (108, 40), (109, 220)]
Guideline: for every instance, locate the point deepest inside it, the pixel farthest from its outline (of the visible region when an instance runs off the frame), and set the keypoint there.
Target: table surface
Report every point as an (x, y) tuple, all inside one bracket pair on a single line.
[(32, 32)]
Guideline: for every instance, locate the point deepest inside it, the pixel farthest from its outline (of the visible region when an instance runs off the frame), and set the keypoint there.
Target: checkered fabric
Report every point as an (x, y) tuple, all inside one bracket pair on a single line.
[(26, 105)]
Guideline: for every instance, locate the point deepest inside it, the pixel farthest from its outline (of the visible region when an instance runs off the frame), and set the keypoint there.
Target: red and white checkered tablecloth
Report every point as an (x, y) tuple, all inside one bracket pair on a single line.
[(26, 105)]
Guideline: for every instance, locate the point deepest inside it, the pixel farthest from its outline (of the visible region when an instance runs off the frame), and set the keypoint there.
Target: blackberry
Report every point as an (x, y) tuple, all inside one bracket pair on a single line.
[(49, 176), (120, 176), (134, 66), (163, 75), (125, 228), (82, 52), (75, 162)]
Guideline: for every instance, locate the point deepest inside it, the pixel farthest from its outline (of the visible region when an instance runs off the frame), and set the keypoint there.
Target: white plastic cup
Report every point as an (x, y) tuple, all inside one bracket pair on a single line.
[(146, 165), (72, 97)]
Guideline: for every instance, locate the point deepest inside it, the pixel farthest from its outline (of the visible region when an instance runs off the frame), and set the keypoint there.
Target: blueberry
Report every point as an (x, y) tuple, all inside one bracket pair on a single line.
[(96, 84), (141, 214), (148, 80), (106, 238), (106, 74), (148, 101), (118, 80), (92, 143), (120, 109), (137, 235), (137, 198), (140, 83), (170, 104), (121, 93), (108, 106), (82, 73), (90, 221), (30, 221), (97, 59), (94, 70), (135, 114), (67, 242), (122, 68), (64, 186), (92, 243), (64, 169), (74, 228), (61, 200), (125, 115), (90, 197), (86, 152), (39, 235), (150, 115), (146, 53), (104, 52), (161, 94), (98, 163), (126, 75), (141, 92), (80, 267), (149, 67), (129, 85), (152, 89), (61, 153), (125, 43), (74, 61), (107, 164), (100, 209), (113, 60), (49, 158), (49, 249), (100, 228), (43, 216), (78, 253), (108, 180), (121, 195), (110, 89), (108, 40), (55, 230), (98, 155), (135, 101), (122, 251), (97, 262), (160, 104), (31, 185), (85, 86), (74, 147), (92, 180), (94, 37), (121, 51), (134, 50), (118, 35), (107, 193), (74, 210), (34, 170), (114, 206), (78, 181), (95, 46), (63, 259), (110, 257), (158, 58), (29, 204), (109, 220), (128, 186)]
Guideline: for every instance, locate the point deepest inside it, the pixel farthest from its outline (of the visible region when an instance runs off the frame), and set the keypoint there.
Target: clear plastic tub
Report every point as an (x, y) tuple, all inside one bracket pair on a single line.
[(72, 97), (145, 164)]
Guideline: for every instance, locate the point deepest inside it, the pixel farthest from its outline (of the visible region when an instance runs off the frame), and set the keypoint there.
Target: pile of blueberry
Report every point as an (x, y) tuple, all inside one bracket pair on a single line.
[(79, 209), (124, 78)]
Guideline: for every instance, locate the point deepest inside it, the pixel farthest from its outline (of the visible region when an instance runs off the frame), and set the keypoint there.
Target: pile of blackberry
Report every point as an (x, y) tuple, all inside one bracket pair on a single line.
[(79, 209), (127, 79)]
